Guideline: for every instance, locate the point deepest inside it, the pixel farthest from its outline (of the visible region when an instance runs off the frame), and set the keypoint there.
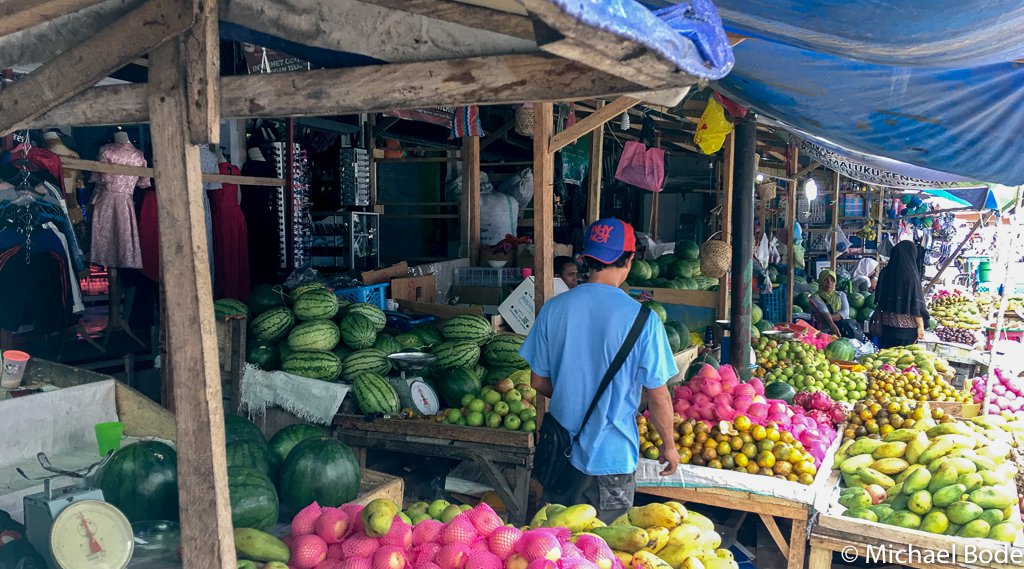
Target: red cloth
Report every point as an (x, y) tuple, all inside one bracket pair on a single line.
[(149, 236), (230, 240)]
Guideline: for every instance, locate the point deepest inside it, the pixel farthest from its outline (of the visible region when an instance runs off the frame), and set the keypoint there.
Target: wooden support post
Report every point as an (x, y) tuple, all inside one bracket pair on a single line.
[(543, 204), (17, 15), (728, 172), (743, 244), (956, 253), (596, 171), (470, 202), (202, 74), (206, 534), (792, 164), (834, 258)]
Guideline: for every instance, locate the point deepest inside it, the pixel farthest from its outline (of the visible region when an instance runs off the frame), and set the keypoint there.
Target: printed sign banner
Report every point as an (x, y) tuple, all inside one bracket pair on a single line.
[(870, 170)]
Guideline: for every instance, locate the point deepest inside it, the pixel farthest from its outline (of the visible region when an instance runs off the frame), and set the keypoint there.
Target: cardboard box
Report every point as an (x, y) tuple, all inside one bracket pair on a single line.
[(519, 310), (385, 275), (469, 294), (415, 289)]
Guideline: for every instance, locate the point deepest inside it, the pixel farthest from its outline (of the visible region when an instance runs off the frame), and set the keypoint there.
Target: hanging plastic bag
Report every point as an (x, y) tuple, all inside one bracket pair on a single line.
[(798, 255), (761, 254), (641, 166), (842, 241), (575, 161), (712, 128), (774, 256)]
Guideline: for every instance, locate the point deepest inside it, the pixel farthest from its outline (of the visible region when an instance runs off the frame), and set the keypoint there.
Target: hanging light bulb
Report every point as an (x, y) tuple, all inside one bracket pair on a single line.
[(759, 178), (811, 189), (624, 121)]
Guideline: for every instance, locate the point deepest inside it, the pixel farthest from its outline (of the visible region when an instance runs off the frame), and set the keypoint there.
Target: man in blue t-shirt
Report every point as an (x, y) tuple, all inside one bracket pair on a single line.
[(571, 346)]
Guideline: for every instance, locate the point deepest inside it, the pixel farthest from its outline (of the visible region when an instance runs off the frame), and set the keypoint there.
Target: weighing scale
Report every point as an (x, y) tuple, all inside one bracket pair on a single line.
[(72, 527), (413, 392)]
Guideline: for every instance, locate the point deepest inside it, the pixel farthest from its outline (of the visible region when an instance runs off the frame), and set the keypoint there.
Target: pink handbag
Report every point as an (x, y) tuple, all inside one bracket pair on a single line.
[(641, 166)]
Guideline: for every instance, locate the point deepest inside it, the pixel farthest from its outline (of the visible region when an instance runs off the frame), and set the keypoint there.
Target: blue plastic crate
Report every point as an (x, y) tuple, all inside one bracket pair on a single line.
[(376, 295), (404, 322), (773, 305)]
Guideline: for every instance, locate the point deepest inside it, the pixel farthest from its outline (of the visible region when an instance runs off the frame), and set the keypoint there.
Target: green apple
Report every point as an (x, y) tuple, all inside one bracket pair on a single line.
[(449, 513), (418, 518), (492, 397), (405, 518), (501, 408), (528, 414), (515, 407), (466, 507), (529, 426), (529, 393), (492, 420), (513, 395), (476, 405), (462, 422), (512, 422), (436, 507), (467, 398), (453, 416), (417, 508), (486, 389), (475, 419)]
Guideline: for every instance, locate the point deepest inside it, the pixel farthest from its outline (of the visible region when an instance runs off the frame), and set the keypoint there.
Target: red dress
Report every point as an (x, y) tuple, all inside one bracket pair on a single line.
[(230, 240)]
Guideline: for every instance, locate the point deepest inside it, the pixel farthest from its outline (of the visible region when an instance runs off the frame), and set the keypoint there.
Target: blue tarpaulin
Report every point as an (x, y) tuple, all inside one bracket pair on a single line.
[(963, 121), (932, 33), (991, 196)]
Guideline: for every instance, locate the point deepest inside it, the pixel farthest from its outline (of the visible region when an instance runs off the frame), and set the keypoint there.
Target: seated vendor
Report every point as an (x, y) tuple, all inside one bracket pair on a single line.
[(567, 270), (832, 309)]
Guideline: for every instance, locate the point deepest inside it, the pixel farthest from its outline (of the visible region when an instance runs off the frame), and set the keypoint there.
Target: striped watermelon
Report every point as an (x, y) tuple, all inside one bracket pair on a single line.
[(262, 355), (306, 287), (503, 351), (374, 394), (283, 351), (264, 297), (316, 304), (272, 326), (462, 353), (358, 331), (410, 341), (387, 344), (458, 382), (370, 360), (479, 371), (230, 307), (253, 499), (314, 335), (468, 327), (428, 333), (241, 429), (141, 480), (371, 312), (321, 470), (285, 440), (314, 364), (496, 374), (253, 454), (342, 350)]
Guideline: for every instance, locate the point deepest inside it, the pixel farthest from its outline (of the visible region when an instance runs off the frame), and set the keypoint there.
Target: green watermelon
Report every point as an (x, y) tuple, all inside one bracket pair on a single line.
[(322, 470), (639, 271), (372, 313), (687, 249), (253, 454), (779, 390), (468, 327), (692, 370), (457, 382), (306, 287), (707, 359), (226, 307), (262, 355), (374, 394), (264, 297), (864, 314), (680, 269), (673, 339), (342, 351), (285, 440), (763, 325), (496, 374), (319, 334), (241, 429), (370, 360), (684, 335), (657, 309), (387, 344), (315, 304), (428, 334), (803, 300), (314, 364), (869, 300), (410, 341), (141, 480), (464, 353), (253, 498), (272, 326), (655, 269), (755, 314), (663, 263), (840, 350), (754, 333), (503, 351), (357, 330), (856, 300), (283, 351)]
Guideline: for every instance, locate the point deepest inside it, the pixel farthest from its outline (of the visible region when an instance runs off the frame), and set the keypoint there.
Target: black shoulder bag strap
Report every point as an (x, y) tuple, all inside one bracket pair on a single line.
[(620, 358)]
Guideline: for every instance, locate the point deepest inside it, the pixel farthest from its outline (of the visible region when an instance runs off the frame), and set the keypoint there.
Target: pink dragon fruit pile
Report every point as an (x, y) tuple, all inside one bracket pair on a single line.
[(718, 395), (333, 538), (820, 407), (1007, 392), (819, 340)]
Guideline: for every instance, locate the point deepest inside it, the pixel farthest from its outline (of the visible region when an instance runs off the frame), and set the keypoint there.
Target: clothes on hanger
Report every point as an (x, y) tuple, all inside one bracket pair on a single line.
[(115, 232), (230, 240)]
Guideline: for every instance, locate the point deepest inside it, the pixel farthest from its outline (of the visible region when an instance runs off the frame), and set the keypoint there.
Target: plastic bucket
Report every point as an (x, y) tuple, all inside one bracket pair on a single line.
[(985, 271)]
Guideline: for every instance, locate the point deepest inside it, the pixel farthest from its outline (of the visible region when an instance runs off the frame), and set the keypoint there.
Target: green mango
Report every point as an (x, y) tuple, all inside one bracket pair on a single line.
[(946, 496), (963, 512), (992, 516), (935, 522), (855, 498), (908, 520), (997, 497), (918, 480), (943, 477), (971, 481), (1005, 532), (861, 513), (920, 502), (976, 528)]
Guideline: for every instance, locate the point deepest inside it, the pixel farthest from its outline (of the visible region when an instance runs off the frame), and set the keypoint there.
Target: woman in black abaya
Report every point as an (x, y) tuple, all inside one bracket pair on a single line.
[(900, 307)]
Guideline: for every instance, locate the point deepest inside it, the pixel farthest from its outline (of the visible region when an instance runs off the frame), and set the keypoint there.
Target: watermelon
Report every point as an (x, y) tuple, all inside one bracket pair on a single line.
[(763, 325), (387, 344), (285, 440), (840, 350), (370, 360), (314, 335), (869, 300), (410, 341), (864, 314), (316, 304), (374, 394), (462, 353), (253, 454), (692, 370), (754, 333), (496, 374), (262, 355), (803, 300), (639, 270), (683, 331), (856, 300), (322, 470), (283, 351), (342, 351), (680, 268), (428, 334), (314, 364), (225, 307), (141, 480), (272, 326), (468, 327), (655, 269), (253, 499), (663, 263), (375, 315), (479, 371), (503, 351), (457, 382), (707, 359), (673, 339), (306, 287), (357, 330), (755, 314), (264, 297), (657, 309), (779, 390), (687, 249), (241, 429)]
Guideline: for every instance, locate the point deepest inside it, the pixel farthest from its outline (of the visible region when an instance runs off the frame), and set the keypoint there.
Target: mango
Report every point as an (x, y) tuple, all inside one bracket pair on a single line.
[(841, 453), (959, 441), (899, 503), (942, 477), (971, 481), (937, 449), (701, 521), (861, 513), (853, 481), (992, 477), (541, 516), (918, 480), (675, 555), (1005, 531), (916, 447), (889, 466), (997, 497), (658, 539), (684, 533), (910, 470), (894, 490), (962, 512), (260, 546), (654, 515), (246, 564), (623, 538), (902, 435), (577, 518), (554, 509), (975, 528), (904, 519), (850, 465), (622, 520), (920, 502), (890, 450), (863, 446), (625, 558), (870, 476), (881, 510), (274, 565), (934, 522), (647, 560), (952, 529), (855, 498), (992, 516), (951, 428), (681, 509), (946, 496)]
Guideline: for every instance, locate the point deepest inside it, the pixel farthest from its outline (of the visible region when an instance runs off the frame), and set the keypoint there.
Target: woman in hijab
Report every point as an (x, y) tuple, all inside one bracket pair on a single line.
[(832, 307), (899, 299), (864, 275)]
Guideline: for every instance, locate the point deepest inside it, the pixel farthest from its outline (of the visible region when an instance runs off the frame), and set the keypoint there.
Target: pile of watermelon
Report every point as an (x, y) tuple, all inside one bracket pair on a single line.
[(678, 270), (678, 334)]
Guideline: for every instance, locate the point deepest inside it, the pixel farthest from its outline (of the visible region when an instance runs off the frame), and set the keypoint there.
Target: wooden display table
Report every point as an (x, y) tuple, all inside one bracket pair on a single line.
[(491, 449)]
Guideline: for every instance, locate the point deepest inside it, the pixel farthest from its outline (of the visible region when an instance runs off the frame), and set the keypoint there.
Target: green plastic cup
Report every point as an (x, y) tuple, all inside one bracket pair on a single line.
[(108, 436)]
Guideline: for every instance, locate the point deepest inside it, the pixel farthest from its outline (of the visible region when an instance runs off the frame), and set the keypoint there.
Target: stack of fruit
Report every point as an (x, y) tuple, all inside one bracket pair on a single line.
[(504, 405), (438, 510), (806, 369), (862, 306), (876, 419), (678, 270), (952, 478), (956, 310), (679, 336), (912, 373), (957, 335), (1007, 392)]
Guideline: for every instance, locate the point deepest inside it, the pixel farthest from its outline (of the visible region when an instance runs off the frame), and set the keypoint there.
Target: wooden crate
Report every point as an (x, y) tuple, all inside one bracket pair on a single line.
[(412, 429), (379, 485)]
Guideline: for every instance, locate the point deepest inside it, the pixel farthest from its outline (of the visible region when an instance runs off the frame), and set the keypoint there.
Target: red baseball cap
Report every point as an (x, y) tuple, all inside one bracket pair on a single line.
[(608, 239)]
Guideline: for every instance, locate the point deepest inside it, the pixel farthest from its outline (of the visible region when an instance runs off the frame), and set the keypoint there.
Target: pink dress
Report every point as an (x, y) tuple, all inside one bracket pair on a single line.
[(115, 233)]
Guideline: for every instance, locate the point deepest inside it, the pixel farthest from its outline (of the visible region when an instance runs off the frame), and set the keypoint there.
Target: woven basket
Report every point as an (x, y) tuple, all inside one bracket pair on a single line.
[(715, 257), (524, 121), (766, 191)]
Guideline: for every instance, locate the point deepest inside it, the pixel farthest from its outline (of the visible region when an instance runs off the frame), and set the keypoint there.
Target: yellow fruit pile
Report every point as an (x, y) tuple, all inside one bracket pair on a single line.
[(876, 419), (662, 536), (915, 385)]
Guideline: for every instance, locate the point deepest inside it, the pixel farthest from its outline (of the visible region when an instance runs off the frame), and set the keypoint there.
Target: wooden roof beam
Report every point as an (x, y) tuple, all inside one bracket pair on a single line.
[(464, 14), (75, 71), (592, 122), (17, 15)]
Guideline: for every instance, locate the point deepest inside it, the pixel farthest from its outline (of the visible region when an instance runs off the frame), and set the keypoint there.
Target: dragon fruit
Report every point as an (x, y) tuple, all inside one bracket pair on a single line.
[(820, 401), (820, 417), (304, 522), (802, 399), (837, 414)]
